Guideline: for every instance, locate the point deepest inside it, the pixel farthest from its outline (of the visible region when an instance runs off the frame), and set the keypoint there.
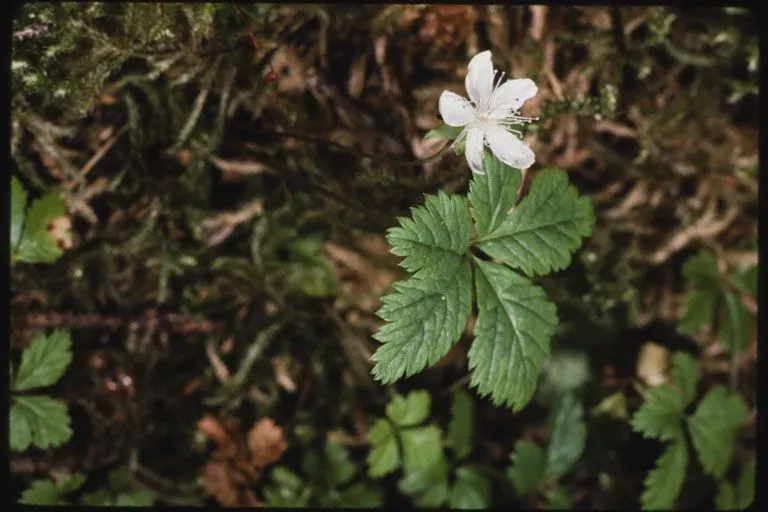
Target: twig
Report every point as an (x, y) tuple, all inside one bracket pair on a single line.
[(175, 322), (91, 163)]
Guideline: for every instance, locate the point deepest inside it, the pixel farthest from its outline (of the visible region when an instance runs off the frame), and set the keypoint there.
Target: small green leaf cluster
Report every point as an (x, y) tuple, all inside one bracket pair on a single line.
[(430, 477), (39, 420), (32, 239), (536, 469), (329, 483), (712, 430), (428, 312), (712, 297), (117, 493)]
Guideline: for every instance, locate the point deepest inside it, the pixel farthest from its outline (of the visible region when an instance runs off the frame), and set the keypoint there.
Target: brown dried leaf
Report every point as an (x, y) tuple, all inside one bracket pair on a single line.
[(266, 442), (213, 429)]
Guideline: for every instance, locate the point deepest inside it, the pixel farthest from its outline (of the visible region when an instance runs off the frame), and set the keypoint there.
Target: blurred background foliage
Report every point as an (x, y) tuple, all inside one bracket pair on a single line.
[(227, 207)]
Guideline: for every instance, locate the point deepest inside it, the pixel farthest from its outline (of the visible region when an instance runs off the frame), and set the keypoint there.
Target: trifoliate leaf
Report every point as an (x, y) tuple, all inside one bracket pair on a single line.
[(44, 361), (713, 427), (544, 229), (40, 421), (660, 417), (384, 456), (424, 319), (422, 447), (37, 244), (41, 492), (444, 132), (410, 410), (18, 207), (512, 334), (528, 464), (685, 371), (740, 496), (699, 310), (470, 490), (135, 499), (492, 194), (737, 324), (701, 268), (569, 434), (461, 429), (427, 486), (663, 484), (435, 238)]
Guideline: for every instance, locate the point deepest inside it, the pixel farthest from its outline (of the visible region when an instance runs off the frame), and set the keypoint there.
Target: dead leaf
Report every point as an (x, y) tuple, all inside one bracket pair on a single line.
[(266, 443), (239, 166), (219, 434), (283, 378), (227, 486), (652, 364), (538, 21)]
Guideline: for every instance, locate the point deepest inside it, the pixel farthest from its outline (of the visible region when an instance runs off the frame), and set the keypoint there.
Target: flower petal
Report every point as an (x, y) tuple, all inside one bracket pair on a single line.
[(508, 148), (455, 110), (479, 80), (510, 96), (473, 150)]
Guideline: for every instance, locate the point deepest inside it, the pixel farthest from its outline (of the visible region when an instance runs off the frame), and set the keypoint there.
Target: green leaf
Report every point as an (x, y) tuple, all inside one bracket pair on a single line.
[(330, 467), (410, 410), (660, 417), (686, 373), (663, 484), (360, 495), (736, 325), (384, 456), (339, 467), (66, 483), (470, 490), (40, 421), (558, 498), (569, 434), (427, 486), (742, 495), (44, 361), (528, 464), (701, 269), (699, 310), (424, 319), (713, 428), (101, 497), (434, 240), (745, 277), (512, 334), (18, 206), (461, 429), (422, 447), (444, 132), (492, 194), (544, 229), (41, 492), (287, 490), (135, 499), (37, 245)]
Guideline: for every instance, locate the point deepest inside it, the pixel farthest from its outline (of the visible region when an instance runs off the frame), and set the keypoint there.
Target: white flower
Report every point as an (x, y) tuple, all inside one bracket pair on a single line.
[(486, 118)]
